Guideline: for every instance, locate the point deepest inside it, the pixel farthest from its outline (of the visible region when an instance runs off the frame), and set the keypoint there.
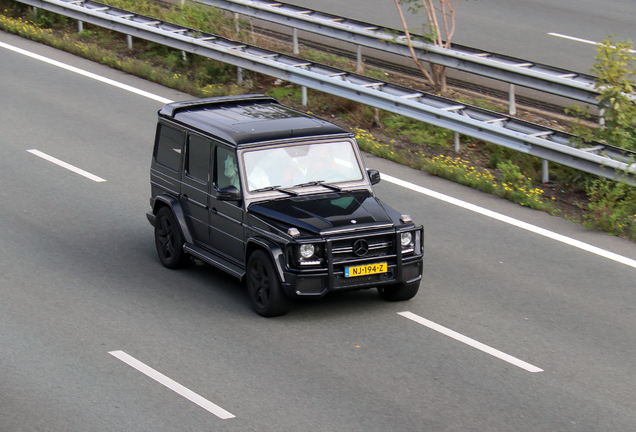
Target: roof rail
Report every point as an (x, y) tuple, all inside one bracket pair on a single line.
[(169, 110)]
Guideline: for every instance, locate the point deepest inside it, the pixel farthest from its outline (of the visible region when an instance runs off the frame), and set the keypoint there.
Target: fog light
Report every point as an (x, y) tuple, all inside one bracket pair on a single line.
[(307, 250)]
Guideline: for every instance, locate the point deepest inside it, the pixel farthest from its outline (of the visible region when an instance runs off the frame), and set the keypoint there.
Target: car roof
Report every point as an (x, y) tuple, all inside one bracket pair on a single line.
[(247, 119)]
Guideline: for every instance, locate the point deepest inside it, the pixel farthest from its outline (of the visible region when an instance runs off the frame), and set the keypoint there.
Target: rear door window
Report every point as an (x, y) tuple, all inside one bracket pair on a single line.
[(198, 164)]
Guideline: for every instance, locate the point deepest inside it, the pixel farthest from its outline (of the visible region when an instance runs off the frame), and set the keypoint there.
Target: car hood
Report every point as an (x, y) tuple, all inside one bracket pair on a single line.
[(325, 213)]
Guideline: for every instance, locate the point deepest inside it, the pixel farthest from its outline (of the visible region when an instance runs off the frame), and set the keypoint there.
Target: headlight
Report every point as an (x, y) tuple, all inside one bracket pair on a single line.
[(407, 238), (307, 251)]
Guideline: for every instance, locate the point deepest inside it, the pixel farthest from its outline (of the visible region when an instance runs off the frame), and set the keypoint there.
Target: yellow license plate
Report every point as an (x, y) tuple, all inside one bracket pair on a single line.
[(364, 270)]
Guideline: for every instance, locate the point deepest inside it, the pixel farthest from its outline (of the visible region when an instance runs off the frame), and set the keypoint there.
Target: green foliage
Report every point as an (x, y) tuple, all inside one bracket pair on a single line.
[(48, 19), (615, 67), (612, 207), (418, 132), (13, 8), (286, 94), (200, 17), (215, 72), (329, 59), (191, 14), (461, 171), (489, 105), (518, 188), (368, 143), (88, 34)]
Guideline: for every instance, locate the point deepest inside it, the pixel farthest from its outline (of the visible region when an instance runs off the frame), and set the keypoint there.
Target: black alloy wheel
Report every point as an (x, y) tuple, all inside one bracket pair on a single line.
[(264, 288), (169, 240)]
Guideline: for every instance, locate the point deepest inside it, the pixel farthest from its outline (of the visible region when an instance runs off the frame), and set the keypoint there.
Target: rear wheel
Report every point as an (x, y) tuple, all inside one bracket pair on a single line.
[(169, 240), (399, 292), (264, 288)]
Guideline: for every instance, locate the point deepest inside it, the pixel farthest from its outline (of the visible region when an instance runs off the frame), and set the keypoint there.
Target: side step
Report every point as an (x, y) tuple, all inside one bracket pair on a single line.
[(214, 260)]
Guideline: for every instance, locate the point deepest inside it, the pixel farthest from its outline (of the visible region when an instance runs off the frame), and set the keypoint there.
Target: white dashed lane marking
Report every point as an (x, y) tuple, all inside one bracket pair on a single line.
[(173, 385), (68, 166)]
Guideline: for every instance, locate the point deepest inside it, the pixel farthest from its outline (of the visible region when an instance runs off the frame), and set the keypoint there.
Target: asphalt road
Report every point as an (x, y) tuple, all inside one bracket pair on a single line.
[(513, 27), (79, 279)]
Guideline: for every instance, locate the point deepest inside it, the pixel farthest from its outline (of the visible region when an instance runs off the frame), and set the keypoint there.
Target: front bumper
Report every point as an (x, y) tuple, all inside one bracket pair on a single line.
[(317, 284)]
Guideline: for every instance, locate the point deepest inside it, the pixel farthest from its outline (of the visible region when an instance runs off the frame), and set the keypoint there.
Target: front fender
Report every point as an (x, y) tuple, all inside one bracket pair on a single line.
[(177, 210), (275, 252)]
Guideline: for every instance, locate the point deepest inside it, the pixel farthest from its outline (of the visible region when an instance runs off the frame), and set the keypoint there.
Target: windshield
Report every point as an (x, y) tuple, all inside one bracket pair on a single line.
[(299, 164)]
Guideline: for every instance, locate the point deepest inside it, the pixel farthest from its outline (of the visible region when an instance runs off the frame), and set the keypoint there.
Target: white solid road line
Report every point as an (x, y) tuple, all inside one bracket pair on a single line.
[(471, 342), (66, 165), (173, 385), (573, 38), (585, 41), (394, 180), (85, 73), (515, 222)]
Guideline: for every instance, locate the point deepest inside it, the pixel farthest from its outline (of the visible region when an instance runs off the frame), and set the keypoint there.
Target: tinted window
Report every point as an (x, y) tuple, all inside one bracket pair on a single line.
[(198, 165), (226, 169), (169, 147)]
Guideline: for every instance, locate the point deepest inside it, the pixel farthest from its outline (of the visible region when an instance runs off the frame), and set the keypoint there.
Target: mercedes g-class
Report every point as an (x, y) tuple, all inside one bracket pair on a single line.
[(278, 198)]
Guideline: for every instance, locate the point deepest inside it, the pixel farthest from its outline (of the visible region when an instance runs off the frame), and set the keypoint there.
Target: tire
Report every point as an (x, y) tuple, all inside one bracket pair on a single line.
[(263, 286), (399, 292), (169, 240)]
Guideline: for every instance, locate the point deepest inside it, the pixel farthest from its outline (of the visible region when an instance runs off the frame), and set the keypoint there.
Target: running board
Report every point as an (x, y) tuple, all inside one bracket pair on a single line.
[(214, 260)]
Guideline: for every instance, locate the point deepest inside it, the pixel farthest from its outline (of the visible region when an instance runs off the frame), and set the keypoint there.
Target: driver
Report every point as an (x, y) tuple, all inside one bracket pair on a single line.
[(231, 172)]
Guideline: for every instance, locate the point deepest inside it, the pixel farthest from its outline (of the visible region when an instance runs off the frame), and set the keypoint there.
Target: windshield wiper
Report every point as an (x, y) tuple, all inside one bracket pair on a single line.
[(320, 183), (276, 188)]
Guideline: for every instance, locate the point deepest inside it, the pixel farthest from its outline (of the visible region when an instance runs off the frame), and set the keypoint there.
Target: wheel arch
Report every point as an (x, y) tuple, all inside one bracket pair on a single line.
[(177, 210), (274, 251)]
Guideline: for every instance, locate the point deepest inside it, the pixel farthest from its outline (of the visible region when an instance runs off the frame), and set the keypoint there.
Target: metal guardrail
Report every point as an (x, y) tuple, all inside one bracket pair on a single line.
[(526, 137), (549, 79)]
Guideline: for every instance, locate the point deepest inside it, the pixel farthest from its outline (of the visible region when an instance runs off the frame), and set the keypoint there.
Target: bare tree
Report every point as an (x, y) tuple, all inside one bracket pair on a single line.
[(446, 13)]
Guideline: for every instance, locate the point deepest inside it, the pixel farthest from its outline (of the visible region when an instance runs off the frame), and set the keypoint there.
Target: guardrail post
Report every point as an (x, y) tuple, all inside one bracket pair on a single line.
[(456, 139), (304, 93), (376, 118), (239, 75), (512, 107), (546, 172), (359, 64), (129, 41), (35, 12), (295, 40), (236, 23), (80, 26)]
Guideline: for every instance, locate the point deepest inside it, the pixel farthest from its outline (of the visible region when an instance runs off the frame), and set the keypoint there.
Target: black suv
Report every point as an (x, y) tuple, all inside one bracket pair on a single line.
[(279, 198)]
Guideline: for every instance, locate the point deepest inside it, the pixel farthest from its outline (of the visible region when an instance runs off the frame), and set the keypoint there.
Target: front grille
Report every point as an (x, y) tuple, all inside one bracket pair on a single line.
[(379, 245)]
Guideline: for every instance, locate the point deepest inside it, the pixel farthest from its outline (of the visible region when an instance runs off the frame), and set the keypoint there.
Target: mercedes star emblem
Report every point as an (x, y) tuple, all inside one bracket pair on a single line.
[(360, 247)]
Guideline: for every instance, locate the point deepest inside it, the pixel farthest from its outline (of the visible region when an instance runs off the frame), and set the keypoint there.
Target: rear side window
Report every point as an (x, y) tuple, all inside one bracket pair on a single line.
[(169, 147), (198, 166)]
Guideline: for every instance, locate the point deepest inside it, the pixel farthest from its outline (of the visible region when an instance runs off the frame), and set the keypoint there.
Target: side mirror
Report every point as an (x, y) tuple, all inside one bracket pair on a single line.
[(229, 193), (374, 176)]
